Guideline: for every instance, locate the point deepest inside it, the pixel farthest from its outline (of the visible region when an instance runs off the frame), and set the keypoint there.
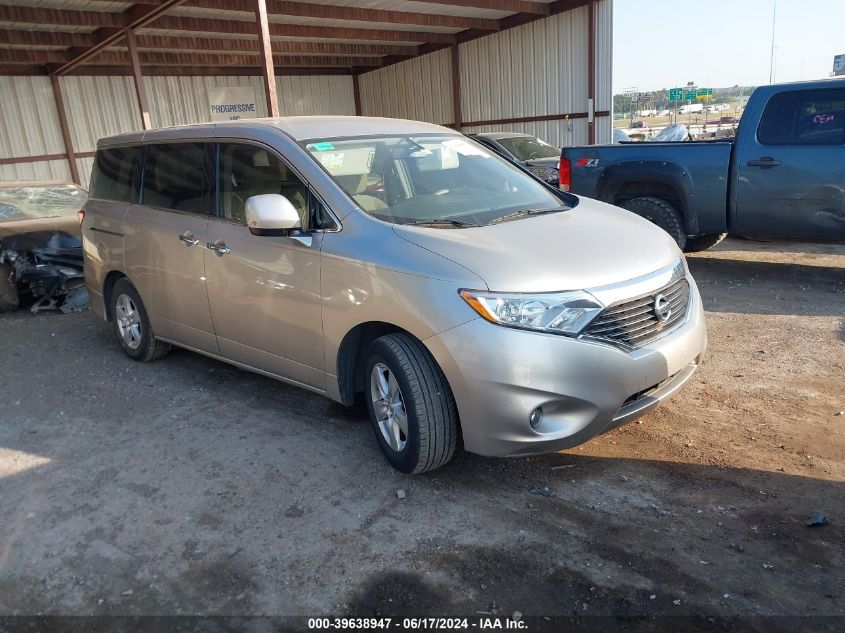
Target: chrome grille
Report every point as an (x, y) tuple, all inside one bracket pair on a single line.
[(634, 323)]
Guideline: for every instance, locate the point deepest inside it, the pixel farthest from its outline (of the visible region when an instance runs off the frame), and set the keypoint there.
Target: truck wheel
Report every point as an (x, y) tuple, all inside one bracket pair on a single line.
[(662, 214), (696, 244), (132, 326), (410, 404), (8, 289)]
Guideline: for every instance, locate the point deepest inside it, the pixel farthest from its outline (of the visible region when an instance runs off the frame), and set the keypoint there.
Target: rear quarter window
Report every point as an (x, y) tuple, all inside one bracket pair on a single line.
[(804, 117), (114, 176)]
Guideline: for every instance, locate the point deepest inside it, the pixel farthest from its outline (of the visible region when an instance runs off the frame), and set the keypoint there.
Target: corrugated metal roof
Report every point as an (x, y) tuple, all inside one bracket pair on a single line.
[(62, 28), (173, 33), (72, 5), (420, 7), (242, 16)]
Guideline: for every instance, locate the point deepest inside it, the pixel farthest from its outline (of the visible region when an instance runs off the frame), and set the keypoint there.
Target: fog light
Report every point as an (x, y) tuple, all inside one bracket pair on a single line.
[(536, 418)]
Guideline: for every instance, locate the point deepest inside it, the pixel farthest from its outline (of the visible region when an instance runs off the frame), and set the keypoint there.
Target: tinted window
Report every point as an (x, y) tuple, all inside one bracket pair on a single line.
[(114, 174), (246, 171), (176, 177), (804, 117)]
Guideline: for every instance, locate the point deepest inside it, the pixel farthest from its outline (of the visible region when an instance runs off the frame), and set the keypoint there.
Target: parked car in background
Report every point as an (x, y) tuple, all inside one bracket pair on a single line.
[(459, 296), (636, 125), (782, 176), (620, 135), (40, 250), (537, 156)]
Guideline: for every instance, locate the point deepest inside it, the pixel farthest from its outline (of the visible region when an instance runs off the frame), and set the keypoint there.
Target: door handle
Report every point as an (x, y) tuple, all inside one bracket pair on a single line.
[(219, 247), (766, 161), (188, 238)]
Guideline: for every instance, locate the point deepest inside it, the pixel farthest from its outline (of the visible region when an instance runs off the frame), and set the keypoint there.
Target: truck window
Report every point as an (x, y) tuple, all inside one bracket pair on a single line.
[(804, 117), (113, 176), (176, 176)]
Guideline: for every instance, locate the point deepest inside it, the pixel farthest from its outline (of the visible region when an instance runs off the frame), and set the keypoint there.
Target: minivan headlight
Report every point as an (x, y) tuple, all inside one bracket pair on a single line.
[(557, 312)]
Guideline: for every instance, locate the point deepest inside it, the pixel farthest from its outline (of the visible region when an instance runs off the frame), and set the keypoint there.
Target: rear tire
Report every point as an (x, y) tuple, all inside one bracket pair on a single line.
[(696, 244), (9, 299), (131, 325), (410, 404), (661, 213)]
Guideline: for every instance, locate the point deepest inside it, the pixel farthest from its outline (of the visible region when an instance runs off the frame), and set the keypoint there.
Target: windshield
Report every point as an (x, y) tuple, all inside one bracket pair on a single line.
[(528, 147), (443, 179), (23, 203)]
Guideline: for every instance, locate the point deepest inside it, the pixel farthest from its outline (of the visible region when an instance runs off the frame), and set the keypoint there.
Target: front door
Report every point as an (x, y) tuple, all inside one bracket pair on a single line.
[(164, 242), (791, 174), (264, 291)]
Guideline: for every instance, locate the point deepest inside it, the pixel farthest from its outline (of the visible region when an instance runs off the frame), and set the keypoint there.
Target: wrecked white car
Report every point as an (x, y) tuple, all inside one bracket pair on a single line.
[(40, 249)]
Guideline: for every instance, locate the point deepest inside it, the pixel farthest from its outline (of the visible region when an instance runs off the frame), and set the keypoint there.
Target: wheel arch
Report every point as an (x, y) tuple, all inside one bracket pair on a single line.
[(108, 286), (350, 355), (654, 179)]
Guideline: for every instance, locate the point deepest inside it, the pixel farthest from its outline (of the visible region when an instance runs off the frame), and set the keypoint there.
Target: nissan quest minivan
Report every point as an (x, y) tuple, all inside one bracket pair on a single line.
[(396, 261)]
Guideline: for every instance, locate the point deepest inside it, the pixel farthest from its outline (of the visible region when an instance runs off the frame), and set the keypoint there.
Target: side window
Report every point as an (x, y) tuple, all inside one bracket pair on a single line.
[(176, 177), (804, 117), (114, 176), (248, 170)]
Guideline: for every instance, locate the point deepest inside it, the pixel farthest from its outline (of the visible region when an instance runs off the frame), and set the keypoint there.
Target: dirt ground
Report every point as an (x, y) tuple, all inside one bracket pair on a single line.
[(187, 486)]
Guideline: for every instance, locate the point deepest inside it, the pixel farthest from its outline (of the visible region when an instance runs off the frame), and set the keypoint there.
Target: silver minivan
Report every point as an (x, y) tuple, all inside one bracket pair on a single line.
[(395, 261)]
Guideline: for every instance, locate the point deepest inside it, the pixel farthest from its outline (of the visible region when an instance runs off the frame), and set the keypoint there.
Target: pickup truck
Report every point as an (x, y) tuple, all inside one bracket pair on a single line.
[(783, 176)]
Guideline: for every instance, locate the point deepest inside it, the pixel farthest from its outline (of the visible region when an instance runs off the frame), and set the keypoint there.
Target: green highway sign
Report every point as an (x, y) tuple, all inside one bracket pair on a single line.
[(676, 94), (690, 94)]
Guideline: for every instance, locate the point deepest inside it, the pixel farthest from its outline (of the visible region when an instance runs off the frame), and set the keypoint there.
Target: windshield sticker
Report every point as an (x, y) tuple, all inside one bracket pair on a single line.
[(821, 119), (322, 147), (332, 161), (465, 149)]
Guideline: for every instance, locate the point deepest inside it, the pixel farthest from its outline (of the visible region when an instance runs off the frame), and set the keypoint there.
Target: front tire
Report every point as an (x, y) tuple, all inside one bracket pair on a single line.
[(410, 404), (661, 213), (131, 325)]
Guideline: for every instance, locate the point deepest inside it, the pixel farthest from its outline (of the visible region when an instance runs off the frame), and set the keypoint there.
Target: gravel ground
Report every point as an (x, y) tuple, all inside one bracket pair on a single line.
[(187, 486)]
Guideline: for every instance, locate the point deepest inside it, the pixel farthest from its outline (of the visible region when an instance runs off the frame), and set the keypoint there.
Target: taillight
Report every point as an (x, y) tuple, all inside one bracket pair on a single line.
[(80, 215), (565, 171)]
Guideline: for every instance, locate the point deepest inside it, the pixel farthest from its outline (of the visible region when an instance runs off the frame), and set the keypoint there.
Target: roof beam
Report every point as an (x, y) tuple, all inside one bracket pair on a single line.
[(114, 58), (181, 71), (355, 14), (235, 27), (32, 15), (511, 6), (136, 17), (215, 44), (45, 38)]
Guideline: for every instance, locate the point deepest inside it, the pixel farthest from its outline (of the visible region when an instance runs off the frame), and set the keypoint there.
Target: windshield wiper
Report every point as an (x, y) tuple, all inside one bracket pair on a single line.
[(458, 224), (524, 213)]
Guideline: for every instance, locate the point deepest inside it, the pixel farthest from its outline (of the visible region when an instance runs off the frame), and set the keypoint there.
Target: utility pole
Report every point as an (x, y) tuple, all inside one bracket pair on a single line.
[(772, 55)]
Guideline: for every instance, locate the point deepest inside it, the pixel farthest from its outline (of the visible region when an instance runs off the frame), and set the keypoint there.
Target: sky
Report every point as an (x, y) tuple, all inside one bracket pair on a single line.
[(722, 43)]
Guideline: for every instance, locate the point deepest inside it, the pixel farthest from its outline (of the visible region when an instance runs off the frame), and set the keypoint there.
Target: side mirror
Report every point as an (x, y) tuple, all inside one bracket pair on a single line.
[(271, 214)]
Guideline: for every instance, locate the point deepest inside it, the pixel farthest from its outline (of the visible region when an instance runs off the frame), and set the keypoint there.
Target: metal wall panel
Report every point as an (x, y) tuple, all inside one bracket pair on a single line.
[(419, 89), (184, 100), (536, 69), (315, 95), (98, 107), (604, 70), (30, 127)]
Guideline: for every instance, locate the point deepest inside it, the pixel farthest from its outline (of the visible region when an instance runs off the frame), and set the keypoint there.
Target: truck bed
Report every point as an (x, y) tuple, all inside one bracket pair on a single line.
[(605, 172)]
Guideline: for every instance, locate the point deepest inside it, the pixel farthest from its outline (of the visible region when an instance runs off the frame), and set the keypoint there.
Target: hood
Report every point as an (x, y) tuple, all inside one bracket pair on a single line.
[(544, 162), (591, 245)]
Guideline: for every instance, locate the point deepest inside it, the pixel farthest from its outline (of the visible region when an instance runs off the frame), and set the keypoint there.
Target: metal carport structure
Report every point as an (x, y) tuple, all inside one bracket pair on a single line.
[(72, 71)]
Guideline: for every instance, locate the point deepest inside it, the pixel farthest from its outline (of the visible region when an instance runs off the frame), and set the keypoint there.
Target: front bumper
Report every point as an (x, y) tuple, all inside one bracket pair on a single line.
[(499, 375)]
